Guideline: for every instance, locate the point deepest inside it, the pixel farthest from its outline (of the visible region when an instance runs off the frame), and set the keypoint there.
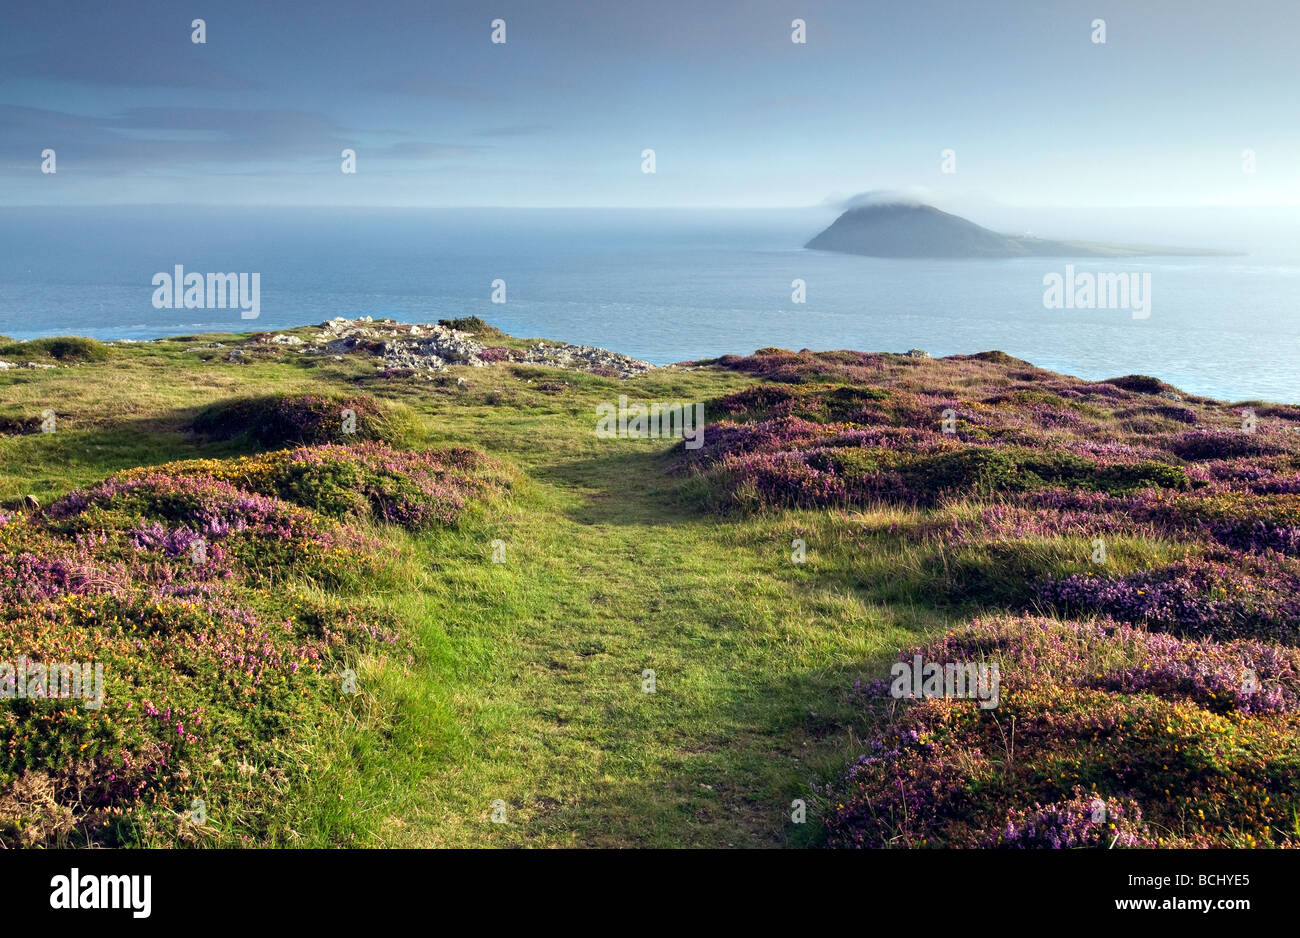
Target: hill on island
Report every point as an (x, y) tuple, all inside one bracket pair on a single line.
[(900, 229)]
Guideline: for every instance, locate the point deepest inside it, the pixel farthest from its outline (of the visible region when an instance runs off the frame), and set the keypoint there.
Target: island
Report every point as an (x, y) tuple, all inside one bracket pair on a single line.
[(904, 229)]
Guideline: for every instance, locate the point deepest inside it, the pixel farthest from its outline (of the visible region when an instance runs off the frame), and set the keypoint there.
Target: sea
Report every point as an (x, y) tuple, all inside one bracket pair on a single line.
[(661, 285)]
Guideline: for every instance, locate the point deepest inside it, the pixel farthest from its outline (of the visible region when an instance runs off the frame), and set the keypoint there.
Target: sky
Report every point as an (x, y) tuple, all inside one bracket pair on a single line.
[(739, 116)]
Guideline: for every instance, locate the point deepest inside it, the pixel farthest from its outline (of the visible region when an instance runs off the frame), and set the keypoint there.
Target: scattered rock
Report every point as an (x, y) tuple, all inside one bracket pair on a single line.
[(432, 347), (917, 353)]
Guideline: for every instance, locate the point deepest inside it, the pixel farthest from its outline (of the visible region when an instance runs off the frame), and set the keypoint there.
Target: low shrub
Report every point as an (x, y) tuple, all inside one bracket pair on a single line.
[(1239, 597), (474, 326), (1141, 384), (10, 426), (1102, 736), (1229, 444), (412, 489), (221, 605), (62, 348), (308, 419)]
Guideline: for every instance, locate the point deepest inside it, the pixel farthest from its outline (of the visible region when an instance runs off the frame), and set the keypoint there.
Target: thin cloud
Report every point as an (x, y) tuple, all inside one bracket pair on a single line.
[(432, 85), (161, 139), (516, 130), (907, 195), (123, 62)]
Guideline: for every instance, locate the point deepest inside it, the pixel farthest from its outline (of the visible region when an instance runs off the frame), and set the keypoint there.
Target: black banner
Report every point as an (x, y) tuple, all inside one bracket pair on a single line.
[(339, 888)]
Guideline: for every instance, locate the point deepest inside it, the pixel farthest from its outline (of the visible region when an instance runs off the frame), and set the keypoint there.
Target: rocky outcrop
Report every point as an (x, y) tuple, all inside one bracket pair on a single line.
[(426, 347)]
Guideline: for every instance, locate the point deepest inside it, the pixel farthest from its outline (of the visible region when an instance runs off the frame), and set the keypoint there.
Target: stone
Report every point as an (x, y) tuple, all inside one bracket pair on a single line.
[(432, 348)]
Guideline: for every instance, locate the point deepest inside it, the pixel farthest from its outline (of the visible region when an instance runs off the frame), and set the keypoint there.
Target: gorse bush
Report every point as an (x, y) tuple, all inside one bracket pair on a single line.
[(63, 349), (294, 419), (1141, 384), (992, 470), (474, 326), (15, 425)]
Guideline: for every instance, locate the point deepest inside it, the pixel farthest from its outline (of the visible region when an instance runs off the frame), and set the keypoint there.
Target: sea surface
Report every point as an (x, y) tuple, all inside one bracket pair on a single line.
[(665, 286)]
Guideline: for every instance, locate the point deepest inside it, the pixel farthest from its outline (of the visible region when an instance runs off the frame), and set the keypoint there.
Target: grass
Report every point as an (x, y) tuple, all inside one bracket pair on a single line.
[(536, 685), (521, 685), (525, 680)]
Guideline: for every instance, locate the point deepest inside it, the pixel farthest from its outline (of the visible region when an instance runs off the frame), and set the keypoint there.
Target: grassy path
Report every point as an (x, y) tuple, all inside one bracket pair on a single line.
[(533, 683), (520, 688), (523, 680)]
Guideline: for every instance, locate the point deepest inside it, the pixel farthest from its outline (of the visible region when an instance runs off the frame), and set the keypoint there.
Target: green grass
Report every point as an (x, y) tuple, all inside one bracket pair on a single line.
[(524, 683)]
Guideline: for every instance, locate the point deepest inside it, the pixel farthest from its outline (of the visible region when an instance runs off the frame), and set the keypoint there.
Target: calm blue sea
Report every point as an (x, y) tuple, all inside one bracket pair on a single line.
[(664, 286)]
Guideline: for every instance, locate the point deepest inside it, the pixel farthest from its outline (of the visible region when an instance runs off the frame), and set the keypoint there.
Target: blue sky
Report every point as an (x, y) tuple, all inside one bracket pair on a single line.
[(738, 115)]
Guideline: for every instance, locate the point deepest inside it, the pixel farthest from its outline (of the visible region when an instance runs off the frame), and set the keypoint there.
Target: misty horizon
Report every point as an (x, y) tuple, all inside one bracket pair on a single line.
[(560, 111)]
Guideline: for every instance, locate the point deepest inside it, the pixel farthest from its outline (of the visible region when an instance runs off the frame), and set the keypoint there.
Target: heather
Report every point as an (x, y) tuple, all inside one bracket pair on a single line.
[(1233, 596), (201, 599), (409, 488), (1184, 743), (1009, 476), (1161, 531), (835, 429), (499, 581)]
